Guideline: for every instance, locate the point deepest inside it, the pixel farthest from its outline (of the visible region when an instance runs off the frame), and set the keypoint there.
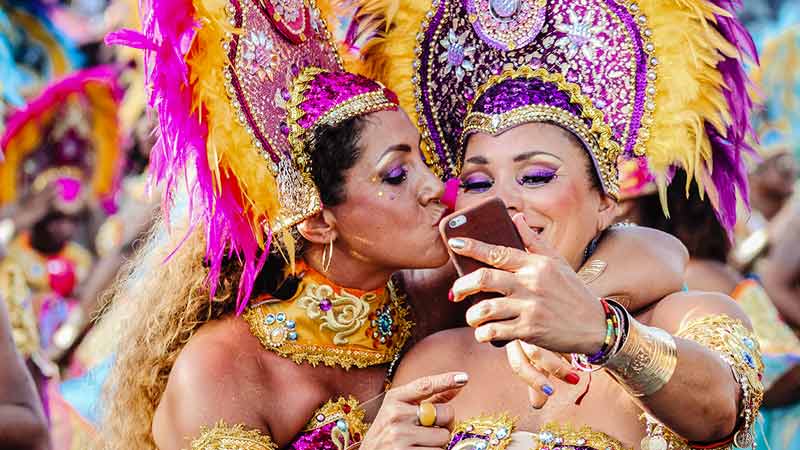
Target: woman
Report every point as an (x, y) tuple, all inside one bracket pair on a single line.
[(195, 373), (598, 87)]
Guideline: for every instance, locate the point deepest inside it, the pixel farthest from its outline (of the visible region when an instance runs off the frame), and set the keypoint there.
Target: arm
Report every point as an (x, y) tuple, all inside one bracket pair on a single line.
[(702, 382), (545, 304), (780, 270), (632, 254), (22, 422)]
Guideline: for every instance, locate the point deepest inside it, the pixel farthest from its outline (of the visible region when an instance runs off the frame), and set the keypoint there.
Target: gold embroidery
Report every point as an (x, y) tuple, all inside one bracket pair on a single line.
[(737, 346), (330, 325), (485, 432), (347, 312), (225, 437), (553, 435), (17, 296), (348, 417)]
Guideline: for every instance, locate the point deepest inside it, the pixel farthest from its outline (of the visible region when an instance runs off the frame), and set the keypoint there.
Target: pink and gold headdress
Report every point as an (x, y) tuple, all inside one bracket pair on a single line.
[(659, 79), (239, 87), (69, 135)]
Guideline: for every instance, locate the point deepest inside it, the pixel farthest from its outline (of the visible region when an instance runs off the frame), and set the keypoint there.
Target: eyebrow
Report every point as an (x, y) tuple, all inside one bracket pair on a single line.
[(529, 155), (405, 148), (478, 160)]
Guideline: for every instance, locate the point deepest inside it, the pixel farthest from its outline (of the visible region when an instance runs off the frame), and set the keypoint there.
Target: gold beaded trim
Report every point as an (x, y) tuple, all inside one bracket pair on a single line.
[(488, 432), (554, 435), (300, 139), (224, 437), (738, 347), (646, 34), (599, 138), (16, 294), (428, 149)]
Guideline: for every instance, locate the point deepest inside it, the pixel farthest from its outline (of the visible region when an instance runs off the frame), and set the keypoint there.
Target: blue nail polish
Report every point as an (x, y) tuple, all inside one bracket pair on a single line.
[(457, 244), (547, 389)]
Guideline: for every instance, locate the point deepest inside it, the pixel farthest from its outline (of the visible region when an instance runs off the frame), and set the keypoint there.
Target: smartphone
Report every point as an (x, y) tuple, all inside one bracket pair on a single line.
[(488, 222)]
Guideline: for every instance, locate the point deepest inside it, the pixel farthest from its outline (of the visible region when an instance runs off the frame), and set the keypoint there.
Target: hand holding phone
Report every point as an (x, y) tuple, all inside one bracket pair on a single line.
[(487, 222)]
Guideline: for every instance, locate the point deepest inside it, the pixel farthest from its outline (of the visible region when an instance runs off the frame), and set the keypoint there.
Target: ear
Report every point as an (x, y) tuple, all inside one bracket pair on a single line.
[(320, 228), (607, 212), (626, 210)]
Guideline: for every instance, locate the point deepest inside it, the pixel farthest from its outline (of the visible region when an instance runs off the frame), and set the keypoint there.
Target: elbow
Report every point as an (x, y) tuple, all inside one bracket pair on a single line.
[(720, 419)]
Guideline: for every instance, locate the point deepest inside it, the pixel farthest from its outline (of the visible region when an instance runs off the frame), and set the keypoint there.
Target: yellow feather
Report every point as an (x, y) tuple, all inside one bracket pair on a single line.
[(230, 150)]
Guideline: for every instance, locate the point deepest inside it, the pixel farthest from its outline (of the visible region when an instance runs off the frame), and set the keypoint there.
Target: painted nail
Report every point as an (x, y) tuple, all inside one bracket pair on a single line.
[(451, 296), (457, 244), (572, 378), (547, 389), (461, 378)]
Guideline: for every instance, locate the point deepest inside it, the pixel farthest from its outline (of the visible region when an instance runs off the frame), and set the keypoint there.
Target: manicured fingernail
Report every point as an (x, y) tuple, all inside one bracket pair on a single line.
[(572, 378), (547, 389), (451, 296), (461, 379), (457, 244)]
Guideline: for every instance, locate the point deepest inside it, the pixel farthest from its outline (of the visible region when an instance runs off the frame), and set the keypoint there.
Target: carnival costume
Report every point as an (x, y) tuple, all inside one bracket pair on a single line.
[(662, 81), (240, 87)]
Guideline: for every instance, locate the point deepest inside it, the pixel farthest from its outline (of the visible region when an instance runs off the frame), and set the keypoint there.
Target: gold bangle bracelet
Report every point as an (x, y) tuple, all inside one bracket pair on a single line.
[(646, 360)]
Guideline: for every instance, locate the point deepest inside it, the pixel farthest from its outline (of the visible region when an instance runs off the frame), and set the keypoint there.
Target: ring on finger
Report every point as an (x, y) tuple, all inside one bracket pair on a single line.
[(499, 256), (426, 414)]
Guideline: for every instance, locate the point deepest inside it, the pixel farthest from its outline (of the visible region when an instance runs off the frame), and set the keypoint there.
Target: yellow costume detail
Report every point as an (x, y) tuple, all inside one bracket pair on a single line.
[(554, 435), (498, 433), (226, 437), (738, 347), (349, 418), (15, 294), (335, 326), (34, 265), (473, 433), (774, 336)]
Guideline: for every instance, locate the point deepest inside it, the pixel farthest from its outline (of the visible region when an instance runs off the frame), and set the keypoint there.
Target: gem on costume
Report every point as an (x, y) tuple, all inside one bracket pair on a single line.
[(457, 54), (259, 54), (581, 34), (507, 24)]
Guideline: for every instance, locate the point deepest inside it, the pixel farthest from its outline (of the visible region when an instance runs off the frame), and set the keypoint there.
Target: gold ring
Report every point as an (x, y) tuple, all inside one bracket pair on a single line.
[(426, 414), (499, 256)]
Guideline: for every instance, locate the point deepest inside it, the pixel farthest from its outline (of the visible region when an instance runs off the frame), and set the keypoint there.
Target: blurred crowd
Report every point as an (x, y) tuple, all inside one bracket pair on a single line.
[(74, 199)]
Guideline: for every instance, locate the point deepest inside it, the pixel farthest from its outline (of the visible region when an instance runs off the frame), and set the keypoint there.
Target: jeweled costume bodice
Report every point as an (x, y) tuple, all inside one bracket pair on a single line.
[(328, 324)]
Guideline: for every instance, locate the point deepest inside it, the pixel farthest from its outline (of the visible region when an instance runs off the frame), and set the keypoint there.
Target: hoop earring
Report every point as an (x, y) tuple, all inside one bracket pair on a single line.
[(327, 256)]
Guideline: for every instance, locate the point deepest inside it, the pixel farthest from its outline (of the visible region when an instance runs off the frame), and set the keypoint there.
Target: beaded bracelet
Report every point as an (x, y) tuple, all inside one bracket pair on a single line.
[(612, 325), (611, 344)]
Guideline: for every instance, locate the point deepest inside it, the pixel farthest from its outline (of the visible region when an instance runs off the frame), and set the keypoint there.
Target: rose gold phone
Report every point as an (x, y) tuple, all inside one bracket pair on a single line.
[(488, 222)]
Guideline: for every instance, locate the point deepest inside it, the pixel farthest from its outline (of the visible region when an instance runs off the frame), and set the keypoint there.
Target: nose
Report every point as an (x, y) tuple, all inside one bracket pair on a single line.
[(511, 196), (431, 188)]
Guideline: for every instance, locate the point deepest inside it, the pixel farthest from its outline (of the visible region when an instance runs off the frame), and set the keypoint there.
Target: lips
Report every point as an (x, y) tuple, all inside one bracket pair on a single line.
[(440, 213)]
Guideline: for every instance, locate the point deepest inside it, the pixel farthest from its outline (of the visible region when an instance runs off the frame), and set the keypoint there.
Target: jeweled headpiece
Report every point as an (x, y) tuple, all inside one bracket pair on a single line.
[(666, 76), (69, 135), (237, 102)]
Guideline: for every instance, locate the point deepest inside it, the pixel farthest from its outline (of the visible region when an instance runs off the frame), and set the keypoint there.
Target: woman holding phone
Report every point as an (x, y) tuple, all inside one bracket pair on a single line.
[(322, 162), (533, 103)]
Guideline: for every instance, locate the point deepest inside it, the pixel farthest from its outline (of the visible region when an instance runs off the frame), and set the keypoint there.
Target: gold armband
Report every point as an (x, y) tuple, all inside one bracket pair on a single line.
[(737, 346), (223, 437), (646, 359)]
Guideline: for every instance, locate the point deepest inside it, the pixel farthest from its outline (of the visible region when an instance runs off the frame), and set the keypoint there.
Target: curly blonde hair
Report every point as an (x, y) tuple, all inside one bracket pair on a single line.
[(159, 301)]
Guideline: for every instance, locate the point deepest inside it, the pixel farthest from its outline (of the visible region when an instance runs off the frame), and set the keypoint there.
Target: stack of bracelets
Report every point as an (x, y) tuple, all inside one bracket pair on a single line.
[(641, 358), (615, 335)]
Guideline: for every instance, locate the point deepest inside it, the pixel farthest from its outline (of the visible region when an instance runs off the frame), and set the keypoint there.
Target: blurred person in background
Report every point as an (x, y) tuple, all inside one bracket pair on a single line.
[(693, 221)]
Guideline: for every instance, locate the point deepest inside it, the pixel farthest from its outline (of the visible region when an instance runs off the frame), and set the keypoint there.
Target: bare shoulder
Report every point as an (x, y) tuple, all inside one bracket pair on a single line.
[(205, 385), (712, 276), (445, 351), (647, 239), (675, 310)]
